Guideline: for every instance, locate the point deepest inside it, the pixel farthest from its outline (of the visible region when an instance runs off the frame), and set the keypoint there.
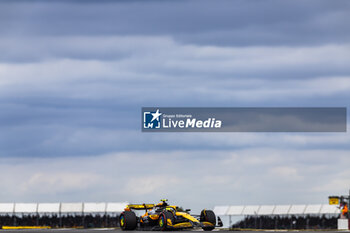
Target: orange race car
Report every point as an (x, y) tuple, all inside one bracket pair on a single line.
[(162, 216)]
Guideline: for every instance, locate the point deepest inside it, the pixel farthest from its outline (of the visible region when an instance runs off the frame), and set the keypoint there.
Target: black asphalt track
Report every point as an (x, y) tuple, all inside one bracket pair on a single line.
[(109, 230)]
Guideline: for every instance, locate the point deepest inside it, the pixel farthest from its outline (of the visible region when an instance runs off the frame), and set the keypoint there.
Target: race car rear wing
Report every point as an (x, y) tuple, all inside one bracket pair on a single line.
[(140, 206)]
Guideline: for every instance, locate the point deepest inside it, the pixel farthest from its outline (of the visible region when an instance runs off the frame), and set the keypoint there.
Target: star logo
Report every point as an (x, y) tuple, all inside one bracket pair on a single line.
[(151, 120), (156, 115)]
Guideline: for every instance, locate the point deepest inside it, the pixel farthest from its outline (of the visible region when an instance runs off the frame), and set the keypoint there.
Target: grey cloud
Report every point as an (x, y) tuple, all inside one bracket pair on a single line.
[(206, 22), (123, 58), (60, 106), (278, 177)]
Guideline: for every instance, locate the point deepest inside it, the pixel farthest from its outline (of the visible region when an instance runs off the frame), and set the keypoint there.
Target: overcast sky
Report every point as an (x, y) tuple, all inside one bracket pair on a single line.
[(75, 74)]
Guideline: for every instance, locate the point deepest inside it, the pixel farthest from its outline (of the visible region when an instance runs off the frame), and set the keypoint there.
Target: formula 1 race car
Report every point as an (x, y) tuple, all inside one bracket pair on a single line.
[(163, 217)]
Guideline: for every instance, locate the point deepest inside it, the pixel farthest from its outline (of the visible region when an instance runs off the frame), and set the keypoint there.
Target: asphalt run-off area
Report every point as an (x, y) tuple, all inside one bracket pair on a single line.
[(119, 231)]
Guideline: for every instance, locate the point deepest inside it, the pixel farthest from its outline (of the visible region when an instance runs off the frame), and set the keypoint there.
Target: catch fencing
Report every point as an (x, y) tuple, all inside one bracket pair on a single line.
[(261, 210), (82, 208)]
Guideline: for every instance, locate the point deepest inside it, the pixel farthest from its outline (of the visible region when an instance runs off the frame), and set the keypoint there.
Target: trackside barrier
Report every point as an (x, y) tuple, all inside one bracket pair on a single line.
[(261, 210), (82, 208), (279, 210), (24, 227)]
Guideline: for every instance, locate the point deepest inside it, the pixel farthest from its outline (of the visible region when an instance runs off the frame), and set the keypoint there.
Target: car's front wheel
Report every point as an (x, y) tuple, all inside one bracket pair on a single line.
[(208, 216), (163, 220)]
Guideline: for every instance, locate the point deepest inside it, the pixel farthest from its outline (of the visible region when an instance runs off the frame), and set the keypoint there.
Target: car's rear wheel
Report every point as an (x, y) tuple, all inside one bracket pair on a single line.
[(127, 221), (163, 220), (208, 216)]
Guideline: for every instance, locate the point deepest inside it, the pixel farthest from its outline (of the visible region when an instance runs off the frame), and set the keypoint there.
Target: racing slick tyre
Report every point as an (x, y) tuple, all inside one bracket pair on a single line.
[(163, 220), (208, 216), (128, 221)]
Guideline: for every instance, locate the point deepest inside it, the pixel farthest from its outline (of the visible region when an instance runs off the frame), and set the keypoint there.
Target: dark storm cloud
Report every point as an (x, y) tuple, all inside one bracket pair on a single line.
[(205, 22)]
